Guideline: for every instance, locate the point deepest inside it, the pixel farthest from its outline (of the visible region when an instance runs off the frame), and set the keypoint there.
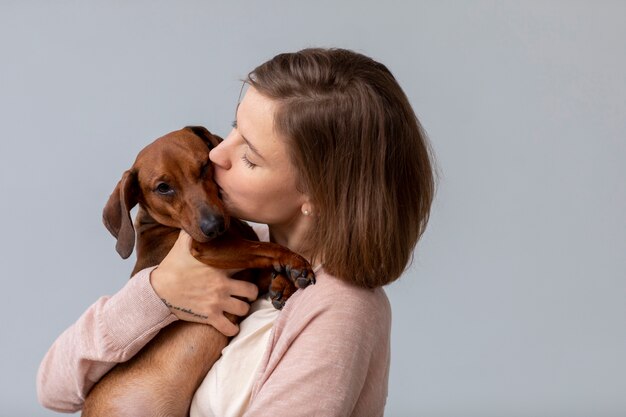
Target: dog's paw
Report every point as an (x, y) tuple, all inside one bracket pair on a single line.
[(297, 269), (281, 288)]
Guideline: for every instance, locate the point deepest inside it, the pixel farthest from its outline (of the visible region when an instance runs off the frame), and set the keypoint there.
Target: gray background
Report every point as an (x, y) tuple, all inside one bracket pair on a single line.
[(515, 303)]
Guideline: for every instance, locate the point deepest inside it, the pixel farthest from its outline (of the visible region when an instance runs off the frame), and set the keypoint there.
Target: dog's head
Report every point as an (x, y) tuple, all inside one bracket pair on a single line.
[(172, 179)]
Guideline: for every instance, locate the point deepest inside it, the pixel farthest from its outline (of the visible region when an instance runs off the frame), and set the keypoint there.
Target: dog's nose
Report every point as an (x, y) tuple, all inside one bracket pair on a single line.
[(212, 226)]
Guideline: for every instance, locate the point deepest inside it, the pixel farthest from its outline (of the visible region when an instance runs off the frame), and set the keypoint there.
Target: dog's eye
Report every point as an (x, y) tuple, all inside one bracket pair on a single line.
[(164, 188)]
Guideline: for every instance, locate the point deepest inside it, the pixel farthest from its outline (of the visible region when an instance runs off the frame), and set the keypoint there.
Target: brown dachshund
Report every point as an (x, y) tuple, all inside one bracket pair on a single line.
[(172, 182)]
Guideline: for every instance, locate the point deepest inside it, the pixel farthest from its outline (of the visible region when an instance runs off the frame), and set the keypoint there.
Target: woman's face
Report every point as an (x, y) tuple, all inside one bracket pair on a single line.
[(256, 177)]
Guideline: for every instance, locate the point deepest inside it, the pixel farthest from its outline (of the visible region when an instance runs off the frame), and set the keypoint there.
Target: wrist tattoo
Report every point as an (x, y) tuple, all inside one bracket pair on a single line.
[(184, 310)]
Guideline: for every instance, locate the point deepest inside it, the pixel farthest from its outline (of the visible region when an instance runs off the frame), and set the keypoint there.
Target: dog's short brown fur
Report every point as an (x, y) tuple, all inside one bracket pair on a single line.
[(172, 182)]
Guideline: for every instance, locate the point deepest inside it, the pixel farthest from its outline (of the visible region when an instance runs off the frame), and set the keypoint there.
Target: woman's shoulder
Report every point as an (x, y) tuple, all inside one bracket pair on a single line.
[(333, 297)]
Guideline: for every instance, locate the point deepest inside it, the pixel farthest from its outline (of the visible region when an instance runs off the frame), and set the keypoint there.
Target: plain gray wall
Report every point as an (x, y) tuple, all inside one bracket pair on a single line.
[(516, 302)]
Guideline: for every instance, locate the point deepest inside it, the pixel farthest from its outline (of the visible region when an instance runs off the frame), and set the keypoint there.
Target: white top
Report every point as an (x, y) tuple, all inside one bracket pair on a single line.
[(225, 391)]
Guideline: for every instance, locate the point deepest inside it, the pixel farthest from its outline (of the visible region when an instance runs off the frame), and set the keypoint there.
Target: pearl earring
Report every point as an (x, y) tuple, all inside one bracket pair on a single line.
[(306, 212)]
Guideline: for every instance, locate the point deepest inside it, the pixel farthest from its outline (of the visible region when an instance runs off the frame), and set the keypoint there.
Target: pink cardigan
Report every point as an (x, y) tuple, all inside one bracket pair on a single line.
[(328, 354)]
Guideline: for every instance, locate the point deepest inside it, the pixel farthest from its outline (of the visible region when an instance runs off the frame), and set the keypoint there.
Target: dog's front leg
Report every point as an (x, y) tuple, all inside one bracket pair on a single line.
[(235, 253)]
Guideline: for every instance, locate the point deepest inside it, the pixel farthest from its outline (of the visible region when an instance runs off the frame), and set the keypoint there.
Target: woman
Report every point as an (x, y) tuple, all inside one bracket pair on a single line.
[(327, 151)]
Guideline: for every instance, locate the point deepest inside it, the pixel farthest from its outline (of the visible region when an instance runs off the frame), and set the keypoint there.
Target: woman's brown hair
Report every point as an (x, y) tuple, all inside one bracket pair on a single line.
[(362, 155)]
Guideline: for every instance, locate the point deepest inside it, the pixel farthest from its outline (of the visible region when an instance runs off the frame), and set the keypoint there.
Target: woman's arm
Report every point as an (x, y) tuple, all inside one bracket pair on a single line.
[(115, 328), (111, 331)]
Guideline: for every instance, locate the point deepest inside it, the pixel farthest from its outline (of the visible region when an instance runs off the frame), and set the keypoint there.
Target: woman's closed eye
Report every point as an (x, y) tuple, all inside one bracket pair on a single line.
[(244, 157), (246, 161)]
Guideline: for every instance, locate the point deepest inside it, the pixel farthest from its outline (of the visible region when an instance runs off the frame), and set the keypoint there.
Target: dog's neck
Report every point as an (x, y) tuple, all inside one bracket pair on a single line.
[(154, 240)]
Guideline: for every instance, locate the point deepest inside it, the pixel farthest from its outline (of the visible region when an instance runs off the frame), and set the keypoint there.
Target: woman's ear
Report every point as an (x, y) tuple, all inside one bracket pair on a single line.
[(308, 209)]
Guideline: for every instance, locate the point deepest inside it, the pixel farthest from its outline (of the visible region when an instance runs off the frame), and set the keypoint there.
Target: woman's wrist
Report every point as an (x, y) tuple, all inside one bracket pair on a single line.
[(159, 280), (156, 281)]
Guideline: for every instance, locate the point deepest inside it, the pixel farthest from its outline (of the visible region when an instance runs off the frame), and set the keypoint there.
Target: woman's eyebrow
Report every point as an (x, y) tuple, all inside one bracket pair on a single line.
[(252, 148)]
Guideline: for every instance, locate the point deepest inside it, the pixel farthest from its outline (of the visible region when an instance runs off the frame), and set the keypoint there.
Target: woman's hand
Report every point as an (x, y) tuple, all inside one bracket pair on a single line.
[(197, 292)]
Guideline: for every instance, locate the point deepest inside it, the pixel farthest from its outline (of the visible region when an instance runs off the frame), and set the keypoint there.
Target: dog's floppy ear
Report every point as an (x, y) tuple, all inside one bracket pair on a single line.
[(116, 213), (209, 138)]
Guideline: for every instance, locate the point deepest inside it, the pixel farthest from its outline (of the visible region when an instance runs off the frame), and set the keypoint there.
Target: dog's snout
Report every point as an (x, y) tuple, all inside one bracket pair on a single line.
[(212, 226)]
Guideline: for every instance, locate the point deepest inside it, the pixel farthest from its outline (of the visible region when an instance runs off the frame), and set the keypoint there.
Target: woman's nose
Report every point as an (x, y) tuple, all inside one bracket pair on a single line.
[(219, 154)]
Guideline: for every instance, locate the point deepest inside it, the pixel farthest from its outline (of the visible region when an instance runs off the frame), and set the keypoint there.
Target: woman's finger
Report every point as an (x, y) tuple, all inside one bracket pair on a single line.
[(225, 326), (243, 289), (237, 307)]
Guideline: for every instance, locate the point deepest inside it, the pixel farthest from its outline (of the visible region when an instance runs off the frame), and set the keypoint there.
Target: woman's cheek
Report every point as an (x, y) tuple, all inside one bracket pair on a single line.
[(246, 189)]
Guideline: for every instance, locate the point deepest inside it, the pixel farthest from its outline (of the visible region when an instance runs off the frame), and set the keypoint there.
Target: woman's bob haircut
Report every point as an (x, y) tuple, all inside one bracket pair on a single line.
[(363, 159)]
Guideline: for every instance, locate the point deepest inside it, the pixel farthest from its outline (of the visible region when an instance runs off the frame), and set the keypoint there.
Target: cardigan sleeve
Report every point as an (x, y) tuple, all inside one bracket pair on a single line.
[(111, 331)]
